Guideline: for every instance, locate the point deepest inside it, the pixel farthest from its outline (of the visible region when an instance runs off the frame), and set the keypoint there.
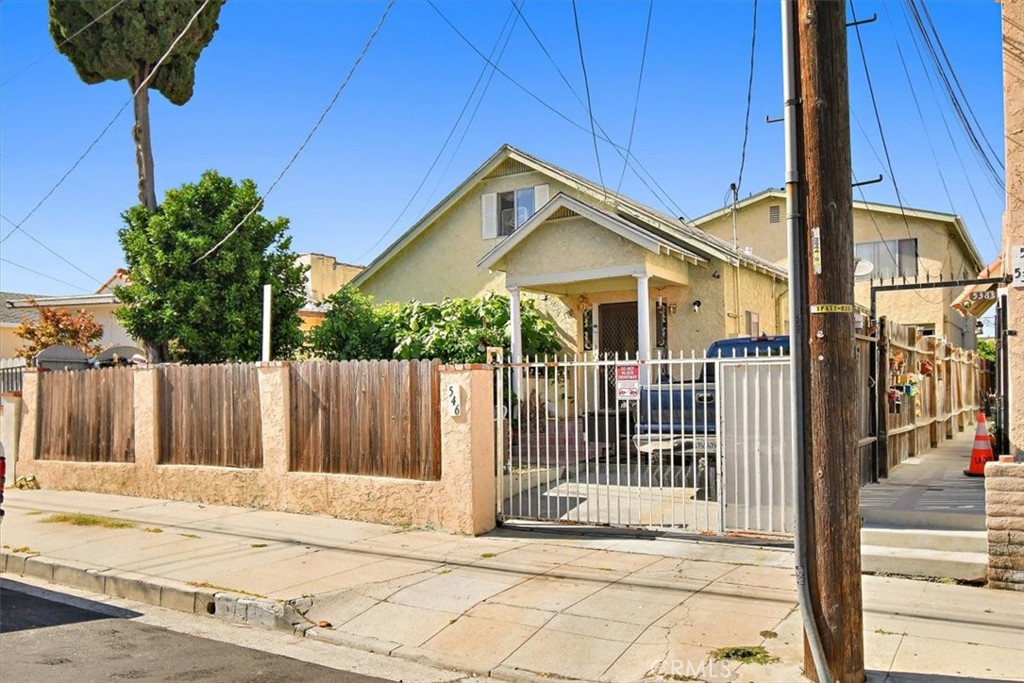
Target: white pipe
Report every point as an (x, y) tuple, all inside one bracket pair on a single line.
[(266, 323)]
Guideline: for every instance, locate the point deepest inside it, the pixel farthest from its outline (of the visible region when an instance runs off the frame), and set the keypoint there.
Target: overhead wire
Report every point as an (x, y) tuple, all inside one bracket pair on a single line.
[(590, 104), (316, 126), (992, 173), (469, 122), (62, 43), (634, 163), (949, 130), (636, 100), (878, 120), (48, 277), (451, 132), (750, 97), (18, 226)]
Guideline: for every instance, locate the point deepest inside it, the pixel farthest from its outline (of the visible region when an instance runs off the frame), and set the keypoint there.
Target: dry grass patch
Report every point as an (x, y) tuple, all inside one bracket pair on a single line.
[(81, 519)]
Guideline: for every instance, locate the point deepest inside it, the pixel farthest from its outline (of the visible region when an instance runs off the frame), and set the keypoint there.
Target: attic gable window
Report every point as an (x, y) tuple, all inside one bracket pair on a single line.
[(774, 214), (502, 213)]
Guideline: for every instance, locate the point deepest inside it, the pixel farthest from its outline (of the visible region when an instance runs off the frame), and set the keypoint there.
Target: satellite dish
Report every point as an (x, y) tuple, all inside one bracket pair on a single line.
[(862, 267)]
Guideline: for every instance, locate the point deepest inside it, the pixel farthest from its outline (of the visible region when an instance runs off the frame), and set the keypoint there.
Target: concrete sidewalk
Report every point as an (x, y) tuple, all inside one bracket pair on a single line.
[(513, 605)]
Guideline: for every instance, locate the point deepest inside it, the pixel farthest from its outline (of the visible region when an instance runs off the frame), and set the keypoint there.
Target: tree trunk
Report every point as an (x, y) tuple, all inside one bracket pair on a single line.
[(143, 145), (832, 479)]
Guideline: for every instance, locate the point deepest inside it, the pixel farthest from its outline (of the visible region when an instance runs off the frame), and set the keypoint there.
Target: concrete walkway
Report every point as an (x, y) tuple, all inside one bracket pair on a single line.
[(513, 605), (930, 491)]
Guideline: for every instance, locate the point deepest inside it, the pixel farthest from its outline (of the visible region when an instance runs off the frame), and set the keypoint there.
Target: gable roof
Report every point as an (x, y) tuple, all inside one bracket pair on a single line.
[(674, 230), (960, 230), (621, 227)]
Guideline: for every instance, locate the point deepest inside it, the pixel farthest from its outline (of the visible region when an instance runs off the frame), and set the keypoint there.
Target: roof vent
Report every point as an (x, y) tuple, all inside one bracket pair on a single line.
[(774, 214)]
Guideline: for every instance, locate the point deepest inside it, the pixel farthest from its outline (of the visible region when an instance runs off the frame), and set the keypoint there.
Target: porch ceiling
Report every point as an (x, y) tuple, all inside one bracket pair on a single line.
[(619, 279)]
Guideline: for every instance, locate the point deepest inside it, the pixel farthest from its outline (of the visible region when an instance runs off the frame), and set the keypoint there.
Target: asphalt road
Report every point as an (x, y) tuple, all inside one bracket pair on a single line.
[(48, 640)]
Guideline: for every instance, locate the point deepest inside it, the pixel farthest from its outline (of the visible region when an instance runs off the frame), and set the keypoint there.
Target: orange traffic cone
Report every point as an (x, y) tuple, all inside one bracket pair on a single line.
[(982, 451)]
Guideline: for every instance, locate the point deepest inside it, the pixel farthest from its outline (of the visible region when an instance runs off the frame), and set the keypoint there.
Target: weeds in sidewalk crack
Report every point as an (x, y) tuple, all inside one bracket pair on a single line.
[(748, 654), (226, 589), (153, 530)]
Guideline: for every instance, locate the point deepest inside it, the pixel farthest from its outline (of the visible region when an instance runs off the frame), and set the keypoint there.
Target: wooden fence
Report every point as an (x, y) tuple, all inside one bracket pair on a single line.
[(209, 415), (926, 391), (376, 418), (86, 415)]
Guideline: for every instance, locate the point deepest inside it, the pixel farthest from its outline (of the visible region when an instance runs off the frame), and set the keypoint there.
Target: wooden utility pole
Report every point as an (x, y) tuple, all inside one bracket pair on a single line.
[(821, 243)]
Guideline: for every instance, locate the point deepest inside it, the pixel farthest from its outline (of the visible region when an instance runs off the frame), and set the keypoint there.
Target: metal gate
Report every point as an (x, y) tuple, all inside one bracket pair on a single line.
[(693, 444)]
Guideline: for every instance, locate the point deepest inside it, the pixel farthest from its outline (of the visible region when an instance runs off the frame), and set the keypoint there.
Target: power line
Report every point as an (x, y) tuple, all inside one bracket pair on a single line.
[(878, 120), (586, 86), (603, 133), (316, 126), (88, 149), (469, 122), (437, 157), (62, 43), (750, 96), (994, 176), (636, 101), (48, 277), (949, 131)]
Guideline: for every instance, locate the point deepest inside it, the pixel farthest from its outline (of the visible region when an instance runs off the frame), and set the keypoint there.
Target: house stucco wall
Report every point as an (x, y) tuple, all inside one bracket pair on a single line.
[(326, 275), (940, 253), (1013, 218), (113, 333)]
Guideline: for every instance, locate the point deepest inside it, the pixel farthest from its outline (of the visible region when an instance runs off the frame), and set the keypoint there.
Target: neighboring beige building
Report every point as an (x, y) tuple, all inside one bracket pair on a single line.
[(899, 243), (100, 306), (615, 275), (326, 275)]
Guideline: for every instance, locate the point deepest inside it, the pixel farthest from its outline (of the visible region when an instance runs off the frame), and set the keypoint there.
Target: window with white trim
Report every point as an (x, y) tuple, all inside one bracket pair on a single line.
[(502, 213), (891, 259), (752, 323)]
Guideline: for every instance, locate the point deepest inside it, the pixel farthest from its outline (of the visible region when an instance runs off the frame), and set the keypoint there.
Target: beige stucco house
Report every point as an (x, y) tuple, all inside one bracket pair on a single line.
[(617, 276), (325, 275), (100, 305), (901, 244)]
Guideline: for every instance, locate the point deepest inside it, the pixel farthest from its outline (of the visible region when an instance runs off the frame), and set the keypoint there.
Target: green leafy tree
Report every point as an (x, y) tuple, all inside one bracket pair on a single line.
[(210, 310), (987, 349), (455, 330), (354, 329), (125, 44)]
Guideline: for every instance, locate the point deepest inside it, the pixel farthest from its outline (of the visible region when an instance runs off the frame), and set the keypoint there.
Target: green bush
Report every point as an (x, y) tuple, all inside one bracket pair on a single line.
[(455, 330)]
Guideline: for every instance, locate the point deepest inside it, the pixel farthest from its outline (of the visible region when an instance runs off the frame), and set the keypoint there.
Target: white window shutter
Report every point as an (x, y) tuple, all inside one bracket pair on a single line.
[(489, 215), (540, 196)]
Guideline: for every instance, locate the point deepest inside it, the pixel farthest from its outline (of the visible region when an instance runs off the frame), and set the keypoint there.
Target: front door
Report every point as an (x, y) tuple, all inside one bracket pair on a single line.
[(616, 335), (617, 329)]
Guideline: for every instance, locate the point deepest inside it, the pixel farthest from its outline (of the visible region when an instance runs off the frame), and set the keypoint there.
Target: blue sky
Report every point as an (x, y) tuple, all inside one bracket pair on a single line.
[(274, 65)]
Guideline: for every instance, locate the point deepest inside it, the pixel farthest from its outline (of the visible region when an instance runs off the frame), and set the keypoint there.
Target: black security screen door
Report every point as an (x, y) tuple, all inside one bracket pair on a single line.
[(617, 329)]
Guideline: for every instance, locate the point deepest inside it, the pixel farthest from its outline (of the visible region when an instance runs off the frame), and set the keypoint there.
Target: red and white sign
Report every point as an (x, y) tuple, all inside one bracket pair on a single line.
[(627, 382)]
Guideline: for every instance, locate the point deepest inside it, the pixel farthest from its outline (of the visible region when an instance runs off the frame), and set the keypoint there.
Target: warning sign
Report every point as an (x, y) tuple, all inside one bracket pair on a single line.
[(832, 308), (627, 382)]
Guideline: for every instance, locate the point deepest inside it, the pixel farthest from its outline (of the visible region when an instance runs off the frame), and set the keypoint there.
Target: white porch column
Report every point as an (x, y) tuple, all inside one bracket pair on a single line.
[(643, 322), (515, 319)]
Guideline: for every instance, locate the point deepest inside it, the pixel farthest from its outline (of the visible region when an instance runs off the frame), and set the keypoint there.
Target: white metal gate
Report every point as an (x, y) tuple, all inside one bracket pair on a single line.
[(691, 443)]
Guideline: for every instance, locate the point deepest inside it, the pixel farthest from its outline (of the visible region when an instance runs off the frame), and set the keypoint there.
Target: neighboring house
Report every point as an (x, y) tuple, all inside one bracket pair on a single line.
[(10, 319), (325, 277), (901, 244), (100, 306), (617, 276)]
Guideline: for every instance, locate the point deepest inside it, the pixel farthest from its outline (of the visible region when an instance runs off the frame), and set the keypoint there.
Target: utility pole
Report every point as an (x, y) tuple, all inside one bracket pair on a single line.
[(820, 224)]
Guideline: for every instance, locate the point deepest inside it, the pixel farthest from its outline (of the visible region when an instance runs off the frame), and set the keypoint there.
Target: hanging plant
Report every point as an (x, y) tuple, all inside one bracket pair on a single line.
[(926, 368)]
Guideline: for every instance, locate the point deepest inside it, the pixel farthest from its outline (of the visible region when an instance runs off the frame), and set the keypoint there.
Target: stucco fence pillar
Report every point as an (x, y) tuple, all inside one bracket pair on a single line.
[(1004, 517), (10, 429), (462, 501)]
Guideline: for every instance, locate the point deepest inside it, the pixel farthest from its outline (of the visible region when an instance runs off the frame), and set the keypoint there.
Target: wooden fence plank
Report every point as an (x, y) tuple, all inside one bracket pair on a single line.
[(370, 418)]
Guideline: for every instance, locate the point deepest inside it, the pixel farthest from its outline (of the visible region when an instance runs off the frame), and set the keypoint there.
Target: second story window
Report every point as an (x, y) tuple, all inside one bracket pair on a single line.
[(505, 212), (514, 209), (891, 259)]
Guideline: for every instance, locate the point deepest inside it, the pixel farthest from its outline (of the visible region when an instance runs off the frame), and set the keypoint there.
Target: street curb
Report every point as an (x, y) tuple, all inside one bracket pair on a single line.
[(279, 615), (177, 595)]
